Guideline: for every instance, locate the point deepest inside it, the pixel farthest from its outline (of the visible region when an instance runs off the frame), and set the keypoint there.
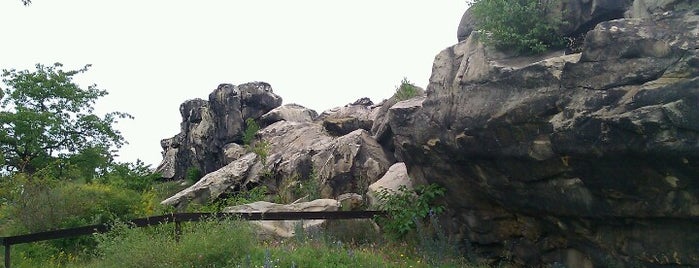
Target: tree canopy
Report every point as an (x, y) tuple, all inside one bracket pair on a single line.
[(46, 117)]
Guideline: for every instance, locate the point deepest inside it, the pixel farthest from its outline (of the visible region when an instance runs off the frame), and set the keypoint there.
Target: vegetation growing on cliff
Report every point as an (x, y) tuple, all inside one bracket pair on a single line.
[(406, 90), (522, 26)]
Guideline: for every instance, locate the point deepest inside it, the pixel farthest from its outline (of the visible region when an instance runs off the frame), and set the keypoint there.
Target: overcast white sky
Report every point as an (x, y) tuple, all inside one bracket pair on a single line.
[(153, 55)]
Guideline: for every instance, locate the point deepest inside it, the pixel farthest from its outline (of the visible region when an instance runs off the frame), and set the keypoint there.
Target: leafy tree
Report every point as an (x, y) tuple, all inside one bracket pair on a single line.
[(46, 117), (524, 26)]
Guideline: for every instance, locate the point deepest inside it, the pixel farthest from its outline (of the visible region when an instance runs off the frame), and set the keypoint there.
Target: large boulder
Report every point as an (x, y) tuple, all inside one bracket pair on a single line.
[(286, 228), (466, 26), (209, 126), (237, 174), (395, 177), (342, 164), (288, 112), (343, 120), (584, 159)]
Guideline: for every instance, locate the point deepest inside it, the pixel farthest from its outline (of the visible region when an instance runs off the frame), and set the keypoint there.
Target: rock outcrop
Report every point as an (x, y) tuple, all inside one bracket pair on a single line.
[(343, 120), (287, 228), (210, 126), (288, 112), (582, 160), (587, 160), (292, 153)]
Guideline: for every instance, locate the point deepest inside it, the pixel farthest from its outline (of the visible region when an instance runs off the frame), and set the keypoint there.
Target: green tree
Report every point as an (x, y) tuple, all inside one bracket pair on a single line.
[(523, 26), (46, 117)]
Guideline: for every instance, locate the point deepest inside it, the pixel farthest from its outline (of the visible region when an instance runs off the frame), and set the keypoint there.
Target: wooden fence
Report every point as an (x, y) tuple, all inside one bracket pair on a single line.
[(8, 241)]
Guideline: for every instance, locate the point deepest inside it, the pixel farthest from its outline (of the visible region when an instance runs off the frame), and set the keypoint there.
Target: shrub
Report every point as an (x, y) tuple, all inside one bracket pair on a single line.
[(523, 26), (261, 149), (203, 244), (406, 90), (251, 128), (135, 176), (41, 204), (405, 207), (255, 194), (295, 187), (193, 174)]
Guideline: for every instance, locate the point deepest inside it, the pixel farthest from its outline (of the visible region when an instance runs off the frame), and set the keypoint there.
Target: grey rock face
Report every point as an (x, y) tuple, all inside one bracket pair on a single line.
[(342, 164), (236, 174), (343, 120), (582, 15), (297, 152), (647, 8), (466, 26), (288, 112), (578, 159), (289, 227), (208, 126), (395, 177)]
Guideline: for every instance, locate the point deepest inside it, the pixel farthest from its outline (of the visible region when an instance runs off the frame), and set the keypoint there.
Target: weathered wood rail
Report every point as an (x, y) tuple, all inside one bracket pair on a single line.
[(178, 218)]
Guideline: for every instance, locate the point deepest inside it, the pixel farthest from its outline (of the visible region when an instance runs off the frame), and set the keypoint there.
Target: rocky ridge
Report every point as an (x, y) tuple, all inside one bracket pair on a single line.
[(582, 160)]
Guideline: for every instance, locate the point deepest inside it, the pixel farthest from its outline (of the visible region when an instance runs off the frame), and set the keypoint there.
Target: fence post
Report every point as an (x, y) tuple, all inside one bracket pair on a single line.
[(178, 231), (7, 256)]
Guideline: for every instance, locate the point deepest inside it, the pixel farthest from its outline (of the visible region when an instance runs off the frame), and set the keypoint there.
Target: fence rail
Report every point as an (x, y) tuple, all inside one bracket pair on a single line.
[(182, 217)]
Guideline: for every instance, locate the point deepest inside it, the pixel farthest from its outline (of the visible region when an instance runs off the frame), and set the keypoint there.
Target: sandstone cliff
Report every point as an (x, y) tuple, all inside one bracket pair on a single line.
[(587, 159)]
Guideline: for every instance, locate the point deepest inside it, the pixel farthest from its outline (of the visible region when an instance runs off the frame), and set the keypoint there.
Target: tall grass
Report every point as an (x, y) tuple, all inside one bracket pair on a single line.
[(232, 243)]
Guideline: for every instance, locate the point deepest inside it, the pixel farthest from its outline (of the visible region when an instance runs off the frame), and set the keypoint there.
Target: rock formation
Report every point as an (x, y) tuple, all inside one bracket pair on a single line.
[(292, 151), (582, 160), (210, 126), (587, 160), (287, 228)]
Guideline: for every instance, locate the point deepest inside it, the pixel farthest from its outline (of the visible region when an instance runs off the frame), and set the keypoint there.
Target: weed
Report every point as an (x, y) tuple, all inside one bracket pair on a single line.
[(405, 206)]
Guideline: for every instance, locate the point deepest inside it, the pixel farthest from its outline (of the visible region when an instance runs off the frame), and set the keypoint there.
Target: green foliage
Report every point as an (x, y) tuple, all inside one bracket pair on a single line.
[(41, 204), (405, 207), (434, 243), (133, 176), (295, 187), (193, 174), (255, 194), (251, 128), (46, 116), (406, 90), (231, 243), (261, 149), (523, 26), (203, 244)]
